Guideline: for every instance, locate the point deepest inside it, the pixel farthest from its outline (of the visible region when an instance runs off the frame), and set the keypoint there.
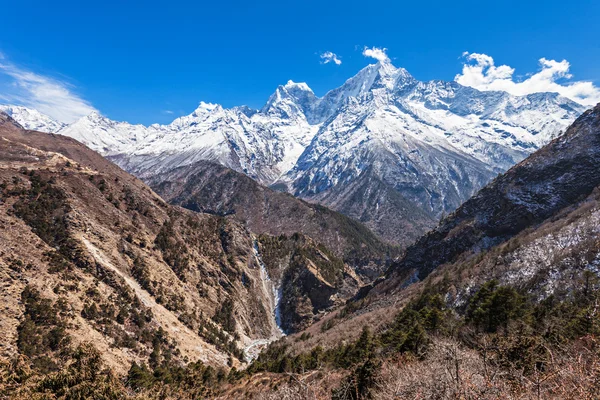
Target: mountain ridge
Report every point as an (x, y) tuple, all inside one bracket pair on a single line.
[(209, 287), (210, 187)]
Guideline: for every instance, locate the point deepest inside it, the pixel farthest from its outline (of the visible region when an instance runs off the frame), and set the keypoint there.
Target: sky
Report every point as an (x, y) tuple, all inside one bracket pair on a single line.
[(149, 62)]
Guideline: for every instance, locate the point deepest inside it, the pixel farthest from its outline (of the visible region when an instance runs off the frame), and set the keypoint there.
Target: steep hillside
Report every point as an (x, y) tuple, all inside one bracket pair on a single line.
[(130, 272), (90, 254), (212, 188), (557, 176), (380, 207)]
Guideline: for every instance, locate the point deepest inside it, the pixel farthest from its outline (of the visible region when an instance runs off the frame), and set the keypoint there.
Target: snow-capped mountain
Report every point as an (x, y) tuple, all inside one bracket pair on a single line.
[(262, 145), (32, 119), (382, 135), (436, 143)]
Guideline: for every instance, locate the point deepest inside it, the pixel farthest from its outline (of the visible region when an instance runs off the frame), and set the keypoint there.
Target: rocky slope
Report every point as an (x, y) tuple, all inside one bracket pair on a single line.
[(380, 207), (88, 253), (533, 228), (124, 266), (558, 176)]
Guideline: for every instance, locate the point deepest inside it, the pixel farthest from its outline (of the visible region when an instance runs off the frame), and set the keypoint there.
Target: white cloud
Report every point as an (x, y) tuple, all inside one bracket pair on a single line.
[(328, 57), (480, 72), (48, 95), (377, 53)]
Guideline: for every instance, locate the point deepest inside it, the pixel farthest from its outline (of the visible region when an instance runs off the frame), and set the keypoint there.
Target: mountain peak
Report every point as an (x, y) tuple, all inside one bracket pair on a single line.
[(291, 85), (392, 77), (32, 119), (291, 98), (94, 115), (382, 74), (92, 119), (204, 107)]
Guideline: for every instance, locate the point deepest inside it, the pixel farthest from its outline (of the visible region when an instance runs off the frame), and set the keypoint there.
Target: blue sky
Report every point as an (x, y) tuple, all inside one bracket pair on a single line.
[(137, 61)]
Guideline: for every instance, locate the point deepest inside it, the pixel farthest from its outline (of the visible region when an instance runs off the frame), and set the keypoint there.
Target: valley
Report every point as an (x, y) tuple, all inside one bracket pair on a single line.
[(391, 239)]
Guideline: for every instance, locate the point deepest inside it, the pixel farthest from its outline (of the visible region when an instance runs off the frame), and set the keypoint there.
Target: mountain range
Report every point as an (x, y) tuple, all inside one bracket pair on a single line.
[(415, 150), (166, 284), (499, 300), (503, 293)]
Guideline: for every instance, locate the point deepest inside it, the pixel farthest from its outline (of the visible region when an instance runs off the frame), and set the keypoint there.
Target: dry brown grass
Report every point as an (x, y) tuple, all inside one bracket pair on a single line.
[(451, 371)]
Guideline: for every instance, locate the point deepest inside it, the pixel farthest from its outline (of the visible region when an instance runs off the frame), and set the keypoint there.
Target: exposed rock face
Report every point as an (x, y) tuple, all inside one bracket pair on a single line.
[(307, 275)]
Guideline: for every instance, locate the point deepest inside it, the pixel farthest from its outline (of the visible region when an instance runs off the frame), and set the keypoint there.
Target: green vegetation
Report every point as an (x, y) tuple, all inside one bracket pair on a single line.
[(223, 341), (174, 251), (225, 316), (311, 274), (86, 377), (300, 251), (42, 332), (196, 380), (494, 306), (44, 207)]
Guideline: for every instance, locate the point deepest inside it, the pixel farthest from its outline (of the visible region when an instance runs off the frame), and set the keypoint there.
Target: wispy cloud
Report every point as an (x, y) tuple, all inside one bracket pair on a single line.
[(48, 95), (328, 57), (168, 112), (479, 71), (377, 53)]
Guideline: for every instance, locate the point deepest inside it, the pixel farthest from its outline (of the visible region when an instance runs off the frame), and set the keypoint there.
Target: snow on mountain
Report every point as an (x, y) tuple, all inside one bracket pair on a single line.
[(104, 135), (32, 119), (435, 143), (262, 145)]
